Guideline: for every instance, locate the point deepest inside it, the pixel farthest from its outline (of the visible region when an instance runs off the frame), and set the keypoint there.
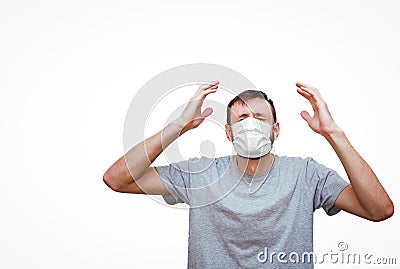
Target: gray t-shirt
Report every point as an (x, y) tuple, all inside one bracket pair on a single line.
[(239, 221)]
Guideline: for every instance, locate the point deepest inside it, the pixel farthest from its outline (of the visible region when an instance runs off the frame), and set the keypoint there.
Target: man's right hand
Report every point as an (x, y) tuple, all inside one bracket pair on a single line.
[(192, 116)]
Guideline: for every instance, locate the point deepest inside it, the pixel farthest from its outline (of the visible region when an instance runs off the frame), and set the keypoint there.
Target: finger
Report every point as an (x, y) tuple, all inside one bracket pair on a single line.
[(207, 112), (305, 94), (208, 85), (211, 86), (311, 89), (204, 93), (314, 94), (299, 84), (306, 116), (214, 82)]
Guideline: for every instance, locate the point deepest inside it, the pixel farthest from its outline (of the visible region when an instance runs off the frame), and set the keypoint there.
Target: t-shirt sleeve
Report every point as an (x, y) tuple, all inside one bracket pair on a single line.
[(176, 179), (328, 185), (180, 178)]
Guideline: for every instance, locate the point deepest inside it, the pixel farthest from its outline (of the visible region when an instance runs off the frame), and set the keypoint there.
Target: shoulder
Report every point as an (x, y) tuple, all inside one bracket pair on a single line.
[(306, 166), (203, 164), (295, 161)]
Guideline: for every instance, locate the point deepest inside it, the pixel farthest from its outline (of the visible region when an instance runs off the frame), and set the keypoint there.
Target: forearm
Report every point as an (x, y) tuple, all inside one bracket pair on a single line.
[(134, 163), (367, 188)]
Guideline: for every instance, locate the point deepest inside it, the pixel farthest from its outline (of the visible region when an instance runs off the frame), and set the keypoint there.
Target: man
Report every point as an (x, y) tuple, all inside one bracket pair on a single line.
[(244, 204)]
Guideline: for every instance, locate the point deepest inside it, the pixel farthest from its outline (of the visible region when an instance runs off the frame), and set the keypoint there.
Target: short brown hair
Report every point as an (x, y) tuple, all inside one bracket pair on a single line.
[(244, 96)]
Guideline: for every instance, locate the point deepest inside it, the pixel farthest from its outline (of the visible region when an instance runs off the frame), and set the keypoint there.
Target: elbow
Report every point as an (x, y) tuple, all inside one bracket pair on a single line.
[(389, 211), (108, 180), (385, 213)]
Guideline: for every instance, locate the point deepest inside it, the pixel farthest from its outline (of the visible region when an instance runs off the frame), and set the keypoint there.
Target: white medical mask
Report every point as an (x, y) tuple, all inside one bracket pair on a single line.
[(251, 138)]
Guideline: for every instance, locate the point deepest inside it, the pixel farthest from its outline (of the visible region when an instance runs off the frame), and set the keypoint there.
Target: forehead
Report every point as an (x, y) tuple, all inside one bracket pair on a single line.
[(251, 106)]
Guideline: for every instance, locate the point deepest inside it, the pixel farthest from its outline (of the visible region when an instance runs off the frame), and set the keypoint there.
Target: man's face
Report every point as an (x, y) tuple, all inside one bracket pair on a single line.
[(257, 108)]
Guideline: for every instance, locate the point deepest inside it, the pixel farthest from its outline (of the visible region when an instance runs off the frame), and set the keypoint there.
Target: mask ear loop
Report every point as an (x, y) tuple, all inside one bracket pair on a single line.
[(267, 175)]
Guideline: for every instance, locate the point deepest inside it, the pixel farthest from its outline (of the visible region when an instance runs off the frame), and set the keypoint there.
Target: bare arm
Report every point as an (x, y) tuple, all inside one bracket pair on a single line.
[(365, 197), (132, 172), (133, 169)]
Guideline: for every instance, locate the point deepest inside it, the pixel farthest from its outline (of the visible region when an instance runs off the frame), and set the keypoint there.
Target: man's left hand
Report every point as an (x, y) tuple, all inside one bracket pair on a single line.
[(321, 122)]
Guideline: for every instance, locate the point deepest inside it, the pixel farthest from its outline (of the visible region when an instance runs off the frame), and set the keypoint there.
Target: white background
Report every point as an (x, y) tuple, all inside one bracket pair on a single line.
[(69, 70)]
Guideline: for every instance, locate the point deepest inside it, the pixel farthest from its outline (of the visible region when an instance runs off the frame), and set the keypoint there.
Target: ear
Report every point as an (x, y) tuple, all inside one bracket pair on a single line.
[(228, 132), (276, 130)]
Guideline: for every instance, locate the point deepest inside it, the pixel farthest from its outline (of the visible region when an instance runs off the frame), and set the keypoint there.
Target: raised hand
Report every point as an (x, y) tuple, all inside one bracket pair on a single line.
[(192, 116), (321, 122)]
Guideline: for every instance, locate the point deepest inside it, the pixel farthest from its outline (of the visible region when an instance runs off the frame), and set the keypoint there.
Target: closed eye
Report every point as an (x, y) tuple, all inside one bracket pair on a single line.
[(243, 116)]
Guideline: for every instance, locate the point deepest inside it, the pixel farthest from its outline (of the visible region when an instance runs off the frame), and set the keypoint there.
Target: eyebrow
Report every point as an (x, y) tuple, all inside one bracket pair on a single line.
[(256, 114)]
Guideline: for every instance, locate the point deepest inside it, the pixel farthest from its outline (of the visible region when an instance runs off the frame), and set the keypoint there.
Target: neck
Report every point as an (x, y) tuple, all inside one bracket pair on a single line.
[(255, 167)]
